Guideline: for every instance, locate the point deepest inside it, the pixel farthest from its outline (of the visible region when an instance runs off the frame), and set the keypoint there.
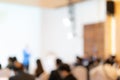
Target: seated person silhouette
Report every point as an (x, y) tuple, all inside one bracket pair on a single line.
[(20, 74), (65, 72), (54, 74)]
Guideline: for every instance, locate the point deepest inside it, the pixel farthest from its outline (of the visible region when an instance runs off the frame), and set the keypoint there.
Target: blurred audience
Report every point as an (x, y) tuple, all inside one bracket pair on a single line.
[(78, 61), (11, 61), (79, 70), (110, 60), (86, 68), (54, 74), (8, 71), (106, 71)]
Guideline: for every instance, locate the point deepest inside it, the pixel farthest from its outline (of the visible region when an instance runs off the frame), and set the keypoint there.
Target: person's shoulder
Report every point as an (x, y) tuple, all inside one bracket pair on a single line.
[(29, 75), (44, 76), (72, 77), (12, 78), (54, 71)]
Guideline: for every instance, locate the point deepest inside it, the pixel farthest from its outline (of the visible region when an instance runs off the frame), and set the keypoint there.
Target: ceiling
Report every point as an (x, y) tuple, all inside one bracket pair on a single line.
[(56, 3), (42, 3)]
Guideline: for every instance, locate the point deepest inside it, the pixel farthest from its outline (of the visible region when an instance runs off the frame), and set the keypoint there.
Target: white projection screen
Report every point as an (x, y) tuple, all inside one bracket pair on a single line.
[(19, 27)]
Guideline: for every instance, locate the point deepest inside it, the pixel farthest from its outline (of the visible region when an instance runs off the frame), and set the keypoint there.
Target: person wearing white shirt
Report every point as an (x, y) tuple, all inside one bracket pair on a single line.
[(104, 72)]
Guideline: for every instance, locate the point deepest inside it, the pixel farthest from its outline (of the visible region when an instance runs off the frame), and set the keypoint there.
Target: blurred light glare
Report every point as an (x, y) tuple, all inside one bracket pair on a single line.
[(113, 35), (67, 22)]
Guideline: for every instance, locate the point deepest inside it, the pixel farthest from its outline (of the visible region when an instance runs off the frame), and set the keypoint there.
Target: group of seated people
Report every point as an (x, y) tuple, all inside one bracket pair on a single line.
[(16, 71), (82, 69)]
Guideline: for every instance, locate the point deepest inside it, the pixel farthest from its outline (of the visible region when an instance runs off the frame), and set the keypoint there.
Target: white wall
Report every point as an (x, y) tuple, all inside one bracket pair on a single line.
[(19, 26), (54, 32)]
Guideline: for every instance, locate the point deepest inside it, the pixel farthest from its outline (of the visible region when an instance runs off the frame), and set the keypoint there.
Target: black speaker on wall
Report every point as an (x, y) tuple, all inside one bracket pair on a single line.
[(110, 7)]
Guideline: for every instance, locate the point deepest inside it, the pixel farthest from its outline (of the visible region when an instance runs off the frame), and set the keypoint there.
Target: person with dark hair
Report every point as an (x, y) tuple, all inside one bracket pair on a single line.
[(40, 74), (78, 61), (14, 59), (65, 72), (10, 63), (19, 73), (58, 62), (39, 69), (54, 74), (110, 60)]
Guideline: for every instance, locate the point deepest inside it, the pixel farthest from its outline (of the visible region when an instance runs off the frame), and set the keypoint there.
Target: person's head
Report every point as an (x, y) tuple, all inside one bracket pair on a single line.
[(38, 62), (18, 67), (110, 60), (58, 62), (10, 60), (64, 70), (78, 59), (39, 69), (14, 59)]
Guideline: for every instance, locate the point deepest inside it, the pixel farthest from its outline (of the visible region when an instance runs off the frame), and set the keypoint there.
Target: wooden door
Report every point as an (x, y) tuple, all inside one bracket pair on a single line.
[(94, 39)]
